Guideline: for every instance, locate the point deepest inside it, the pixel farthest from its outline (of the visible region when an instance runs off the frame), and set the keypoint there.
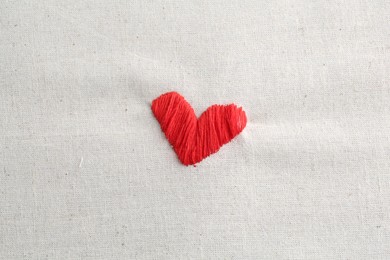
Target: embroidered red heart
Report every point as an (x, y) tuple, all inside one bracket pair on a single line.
[(194, 139)]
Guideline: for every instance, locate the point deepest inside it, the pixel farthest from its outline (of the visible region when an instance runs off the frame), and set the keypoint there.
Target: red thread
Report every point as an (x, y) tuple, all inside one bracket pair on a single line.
[(194, 139)]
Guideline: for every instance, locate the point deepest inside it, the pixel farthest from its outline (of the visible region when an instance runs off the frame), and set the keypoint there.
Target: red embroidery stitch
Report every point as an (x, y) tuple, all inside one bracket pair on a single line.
[(194, 139)]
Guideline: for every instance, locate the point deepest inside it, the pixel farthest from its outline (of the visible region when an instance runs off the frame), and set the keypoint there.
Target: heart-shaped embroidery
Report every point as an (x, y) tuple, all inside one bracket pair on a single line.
[(194, 139)]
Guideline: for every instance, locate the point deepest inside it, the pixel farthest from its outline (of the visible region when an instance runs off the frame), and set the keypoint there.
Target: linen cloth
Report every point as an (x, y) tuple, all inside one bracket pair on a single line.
[(86, 173)]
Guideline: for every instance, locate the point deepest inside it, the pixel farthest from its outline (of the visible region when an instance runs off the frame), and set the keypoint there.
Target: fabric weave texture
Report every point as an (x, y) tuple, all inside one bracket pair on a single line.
[(86, 173)]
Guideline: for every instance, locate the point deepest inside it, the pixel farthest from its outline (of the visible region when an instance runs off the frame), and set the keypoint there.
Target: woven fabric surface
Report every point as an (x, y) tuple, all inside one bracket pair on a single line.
[(86, 172)]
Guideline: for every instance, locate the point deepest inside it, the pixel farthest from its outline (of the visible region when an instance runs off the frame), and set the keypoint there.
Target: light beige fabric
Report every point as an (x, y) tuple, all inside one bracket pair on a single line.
[(85, 172)]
